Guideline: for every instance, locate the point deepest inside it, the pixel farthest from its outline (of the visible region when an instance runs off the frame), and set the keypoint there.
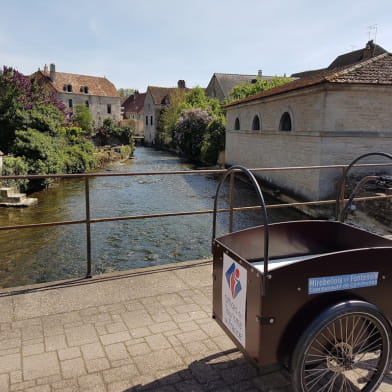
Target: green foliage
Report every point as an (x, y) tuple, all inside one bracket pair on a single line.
[(125, 92), (83, 118), (25, 104), (15, 166), (189, 133), (110, 134), (193, 125), (245, 89), (169, 118), (213, 141)]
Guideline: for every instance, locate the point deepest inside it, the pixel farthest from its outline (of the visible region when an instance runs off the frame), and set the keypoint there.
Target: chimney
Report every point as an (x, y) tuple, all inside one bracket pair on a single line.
[(260, 73), (45, 68), (181, 84), (52, 72), (368, 52)]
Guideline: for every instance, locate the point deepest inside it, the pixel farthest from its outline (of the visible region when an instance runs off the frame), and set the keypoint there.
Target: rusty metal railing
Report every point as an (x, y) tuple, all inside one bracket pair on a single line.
[(88, 221)]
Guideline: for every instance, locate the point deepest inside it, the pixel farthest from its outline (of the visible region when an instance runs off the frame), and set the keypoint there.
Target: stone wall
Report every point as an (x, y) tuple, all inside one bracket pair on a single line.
[(330, 125), (149, 112), (98, 106)]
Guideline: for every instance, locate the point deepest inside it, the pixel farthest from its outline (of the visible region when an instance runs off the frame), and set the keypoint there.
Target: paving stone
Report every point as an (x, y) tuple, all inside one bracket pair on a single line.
[(90, 380), (40, 388), (11, 343), (116, 351), (53, 330), (10, 363), (187, 308), (139, 349), (33, 349), (22, 386), (97, 365), (84, 334), (69, 353), (73, 368), (192, 336), (120, 374), (55, 342), (32, 332), (157, 342), (4, 382), (42, 365), (137, 319), (92, 351), (163, 327), (140, 332), (158, 360), (115, 337), (16, 377), (188, 326), (116, 327)]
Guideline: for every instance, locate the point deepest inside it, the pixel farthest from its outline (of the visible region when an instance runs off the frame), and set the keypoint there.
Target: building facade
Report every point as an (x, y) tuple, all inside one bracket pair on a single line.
[(96, 93), (221, 84), (157, 98), (326, 118)]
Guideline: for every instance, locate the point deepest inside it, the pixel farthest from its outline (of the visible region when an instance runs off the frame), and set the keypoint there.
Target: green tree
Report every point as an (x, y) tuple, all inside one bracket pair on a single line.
[(84, 119), (213, 141), (125, 92), (244, 90), (190, 131), (26, 104)]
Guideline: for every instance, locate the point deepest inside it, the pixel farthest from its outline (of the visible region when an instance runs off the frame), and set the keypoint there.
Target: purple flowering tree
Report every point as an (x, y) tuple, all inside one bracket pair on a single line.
[(26, 104)]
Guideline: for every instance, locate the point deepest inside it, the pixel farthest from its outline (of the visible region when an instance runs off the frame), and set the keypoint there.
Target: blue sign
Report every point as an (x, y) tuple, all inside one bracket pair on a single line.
[(326, 284)]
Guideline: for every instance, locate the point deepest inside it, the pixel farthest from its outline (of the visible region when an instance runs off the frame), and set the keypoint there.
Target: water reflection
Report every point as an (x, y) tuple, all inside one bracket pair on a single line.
[(45, 254)]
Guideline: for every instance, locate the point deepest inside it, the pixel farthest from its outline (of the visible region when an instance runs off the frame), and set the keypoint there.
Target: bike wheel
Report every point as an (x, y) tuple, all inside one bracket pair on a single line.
[(346, 349)]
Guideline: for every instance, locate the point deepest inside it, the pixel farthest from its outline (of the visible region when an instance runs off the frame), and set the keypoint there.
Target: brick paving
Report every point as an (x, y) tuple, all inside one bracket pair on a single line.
[(145, 330)]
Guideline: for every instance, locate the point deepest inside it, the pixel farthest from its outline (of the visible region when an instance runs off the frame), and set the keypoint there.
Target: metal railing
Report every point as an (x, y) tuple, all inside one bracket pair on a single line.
[(88, 221)]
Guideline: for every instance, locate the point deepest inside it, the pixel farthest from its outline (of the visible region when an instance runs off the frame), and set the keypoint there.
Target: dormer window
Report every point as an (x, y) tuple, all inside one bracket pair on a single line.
[(69, 88), (86, 89)]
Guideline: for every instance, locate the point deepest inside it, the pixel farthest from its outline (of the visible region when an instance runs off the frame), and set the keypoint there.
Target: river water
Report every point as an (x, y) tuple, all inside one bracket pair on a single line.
[(46, 254)]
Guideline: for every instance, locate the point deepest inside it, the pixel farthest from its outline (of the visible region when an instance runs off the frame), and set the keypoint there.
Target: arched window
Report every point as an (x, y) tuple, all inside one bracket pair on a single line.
[(237, 124), (285, 122), (256, 123)]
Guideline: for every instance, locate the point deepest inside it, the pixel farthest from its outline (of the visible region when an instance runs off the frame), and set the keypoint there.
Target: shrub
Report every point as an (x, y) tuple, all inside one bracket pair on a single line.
[(213, 141), (189, 133), (15, 166)]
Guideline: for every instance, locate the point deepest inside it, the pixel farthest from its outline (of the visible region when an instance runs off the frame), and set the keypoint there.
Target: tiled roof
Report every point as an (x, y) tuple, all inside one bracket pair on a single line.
[(96, 85), (160, 93), (134, 103), (377, 70), (228, 81), (370, 50)]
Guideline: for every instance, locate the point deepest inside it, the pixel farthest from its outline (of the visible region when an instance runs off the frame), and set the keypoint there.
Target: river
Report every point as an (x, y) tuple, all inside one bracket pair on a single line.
[(39, 255)]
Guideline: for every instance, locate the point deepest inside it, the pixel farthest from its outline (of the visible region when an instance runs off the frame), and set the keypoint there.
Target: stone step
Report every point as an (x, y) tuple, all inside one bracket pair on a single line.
[(10, 198)]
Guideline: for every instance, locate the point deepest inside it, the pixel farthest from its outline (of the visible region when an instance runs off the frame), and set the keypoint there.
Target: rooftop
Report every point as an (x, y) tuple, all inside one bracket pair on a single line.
[(376, 71)]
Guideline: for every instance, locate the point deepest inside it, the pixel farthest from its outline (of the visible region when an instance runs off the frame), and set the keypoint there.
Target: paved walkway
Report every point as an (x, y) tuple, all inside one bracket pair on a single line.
[(146, 330)]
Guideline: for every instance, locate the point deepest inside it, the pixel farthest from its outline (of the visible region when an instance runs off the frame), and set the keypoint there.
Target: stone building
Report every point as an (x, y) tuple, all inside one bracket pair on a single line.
[(155, 101), (221, 84), (133, 109), (97, 93), (323, 118)]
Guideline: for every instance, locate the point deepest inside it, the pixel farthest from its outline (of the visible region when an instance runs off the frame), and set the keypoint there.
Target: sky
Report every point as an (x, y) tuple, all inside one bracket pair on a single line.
[(135, 44)]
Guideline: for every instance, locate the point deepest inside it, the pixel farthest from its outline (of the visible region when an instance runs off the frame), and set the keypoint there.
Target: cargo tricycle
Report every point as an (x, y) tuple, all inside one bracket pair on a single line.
[(314, 296)]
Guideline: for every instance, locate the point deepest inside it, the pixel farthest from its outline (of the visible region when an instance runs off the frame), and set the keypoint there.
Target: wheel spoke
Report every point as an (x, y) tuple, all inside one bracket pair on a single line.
[(348, 353)]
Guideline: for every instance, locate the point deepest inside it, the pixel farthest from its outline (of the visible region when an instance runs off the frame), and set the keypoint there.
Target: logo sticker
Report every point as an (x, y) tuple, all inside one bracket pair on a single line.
[(234, 281)]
